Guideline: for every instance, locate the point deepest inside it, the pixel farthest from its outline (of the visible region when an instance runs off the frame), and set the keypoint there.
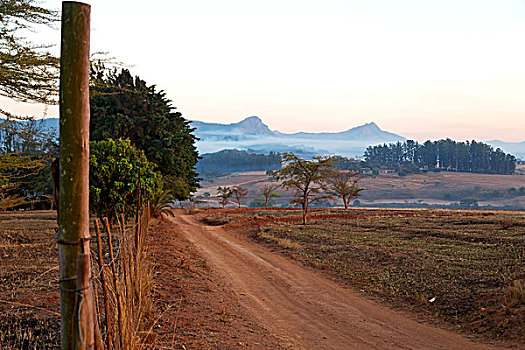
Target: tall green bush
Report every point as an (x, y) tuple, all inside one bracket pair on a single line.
[(114, 170)]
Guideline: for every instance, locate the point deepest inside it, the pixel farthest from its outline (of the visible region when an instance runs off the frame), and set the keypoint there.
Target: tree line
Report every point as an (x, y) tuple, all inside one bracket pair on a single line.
[(136, 136), (445, 154), (132, 122), (235, 161), (125, 108)]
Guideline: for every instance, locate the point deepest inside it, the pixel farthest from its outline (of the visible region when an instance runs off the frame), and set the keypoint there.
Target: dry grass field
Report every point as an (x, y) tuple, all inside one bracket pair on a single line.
[(464, 270), (29, 304), (441, 188), (446, 187), (191, 307)]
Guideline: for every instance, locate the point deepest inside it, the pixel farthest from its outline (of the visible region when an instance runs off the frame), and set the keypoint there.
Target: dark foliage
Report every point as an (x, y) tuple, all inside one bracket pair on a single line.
[(234, 161), (123, 106), (448, 155), (344, 163)]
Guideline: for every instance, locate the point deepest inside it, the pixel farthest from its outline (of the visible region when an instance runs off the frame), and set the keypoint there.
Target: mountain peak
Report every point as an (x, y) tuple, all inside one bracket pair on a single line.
[(372, 132), (254, 125), (372, 126), (253, 120), (368, 127)]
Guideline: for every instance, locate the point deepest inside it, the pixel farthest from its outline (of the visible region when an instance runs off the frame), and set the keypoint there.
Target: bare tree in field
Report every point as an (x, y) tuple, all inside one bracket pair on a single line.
[(239, 193), (345, 185), (224, 194), (268, 192), (306, 179)]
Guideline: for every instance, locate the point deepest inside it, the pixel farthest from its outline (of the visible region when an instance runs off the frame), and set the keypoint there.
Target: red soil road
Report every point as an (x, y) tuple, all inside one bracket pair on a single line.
[(303, 309)]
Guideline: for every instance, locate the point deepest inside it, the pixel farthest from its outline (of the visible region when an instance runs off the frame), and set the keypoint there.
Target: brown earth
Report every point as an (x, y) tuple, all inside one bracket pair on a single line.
[(303, 309), (211, 291), (194, 307), (29, 306), (470, 262)]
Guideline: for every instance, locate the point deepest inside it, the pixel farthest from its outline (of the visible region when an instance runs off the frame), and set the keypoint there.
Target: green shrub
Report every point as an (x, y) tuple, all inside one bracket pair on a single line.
[(114, 170)]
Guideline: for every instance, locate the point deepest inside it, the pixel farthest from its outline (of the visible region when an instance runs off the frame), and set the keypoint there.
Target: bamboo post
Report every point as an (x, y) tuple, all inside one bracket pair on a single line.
[(104, 287), (115, 284), (137, 217), (73, 229)]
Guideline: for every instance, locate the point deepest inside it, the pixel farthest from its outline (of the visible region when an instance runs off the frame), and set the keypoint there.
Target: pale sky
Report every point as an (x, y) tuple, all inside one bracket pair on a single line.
[(422, 69)]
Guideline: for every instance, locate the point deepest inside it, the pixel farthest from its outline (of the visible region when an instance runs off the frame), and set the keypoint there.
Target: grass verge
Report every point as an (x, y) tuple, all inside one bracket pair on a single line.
[(465, 268)]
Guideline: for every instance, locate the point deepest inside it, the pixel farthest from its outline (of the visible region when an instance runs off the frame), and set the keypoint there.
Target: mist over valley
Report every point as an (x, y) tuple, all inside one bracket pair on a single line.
[(251, 134)]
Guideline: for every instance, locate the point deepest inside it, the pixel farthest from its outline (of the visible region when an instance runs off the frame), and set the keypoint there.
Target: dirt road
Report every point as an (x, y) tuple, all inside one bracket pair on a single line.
[(303, 309)]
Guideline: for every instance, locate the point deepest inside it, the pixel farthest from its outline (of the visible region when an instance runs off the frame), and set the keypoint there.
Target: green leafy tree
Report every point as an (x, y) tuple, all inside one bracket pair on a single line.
[(268, 192), (307, 179), (115, 169), (28, 72), (123, 106), (345, 184), (224, 194), (177, 187), (239, 192), (446, 154), (427, 154)]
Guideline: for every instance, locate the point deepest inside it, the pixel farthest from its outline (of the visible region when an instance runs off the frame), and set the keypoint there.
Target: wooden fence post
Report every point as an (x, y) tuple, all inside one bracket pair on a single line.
[(73, 229)]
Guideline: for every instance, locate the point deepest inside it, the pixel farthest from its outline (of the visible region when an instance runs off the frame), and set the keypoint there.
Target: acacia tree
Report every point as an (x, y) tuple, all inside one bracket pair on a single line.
[(306, 179), (28, 72), (239, 193), (268, 192), (345, 185), (224, 194)]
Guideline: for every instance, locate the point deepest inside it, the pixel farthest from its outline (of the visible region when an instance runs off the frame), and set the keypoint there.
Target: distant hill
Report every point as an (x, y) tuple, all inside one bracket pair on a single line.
[(252, 134), (49, 123), (369, 132), (250, 126), (515, 148), (227, 161)]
